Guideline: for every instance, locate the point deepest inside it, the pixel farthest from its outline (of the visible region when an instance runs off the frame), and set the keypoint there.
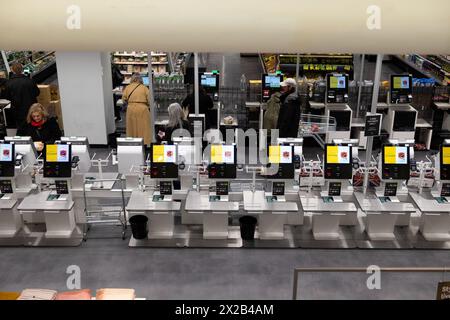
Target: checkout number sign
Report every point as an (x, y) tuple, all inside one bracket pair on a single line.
[(373, 125)]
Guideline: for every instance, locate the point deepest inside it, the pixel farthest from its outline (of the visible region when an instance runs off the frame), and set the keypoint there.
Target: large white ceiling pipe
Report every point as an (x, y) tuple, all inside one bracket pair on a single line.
[(362, 26)]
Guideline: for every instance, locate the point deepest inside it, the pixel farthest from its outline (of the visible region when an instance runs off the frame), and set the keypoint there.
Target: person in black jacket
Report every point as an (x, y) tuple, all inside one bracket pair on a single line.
[(22, 92), (42, 129), (176, 121), (117, 79), (289, 116), (204, 107)]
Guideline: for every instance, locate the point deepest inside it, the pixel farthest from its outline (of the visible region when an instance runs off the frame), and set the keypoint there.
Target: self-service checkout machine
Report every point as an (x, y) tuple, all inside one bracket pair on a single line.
[(55, 205), (130, 160), (336, 108), (157, 204), (272, 208), (26, 159), (214, 204), (388, 205), (210, 82), (401, 118), (434, 204), (334, 206), (10, 219)]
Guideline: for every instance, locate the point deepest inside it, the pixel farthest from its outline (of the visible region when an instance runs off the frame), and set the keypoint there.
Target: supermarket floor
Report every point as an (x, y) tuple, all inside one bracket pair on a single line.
[(219, 273)]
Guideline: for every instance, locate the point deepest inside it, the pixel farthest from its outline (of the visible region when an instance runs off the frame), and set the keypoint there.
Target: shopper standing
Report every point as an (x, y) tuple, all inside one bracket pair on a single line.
[(22, 92), (138, 114), (289, 117), (204, 106), (117, 79)]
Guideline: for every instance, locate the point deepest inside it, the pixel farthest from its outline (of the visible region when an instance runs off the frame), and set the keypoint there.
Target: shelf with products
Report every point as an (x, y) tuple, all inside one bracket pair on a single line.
[(317, 65), (130, 62), (34, 62), (429, 66)]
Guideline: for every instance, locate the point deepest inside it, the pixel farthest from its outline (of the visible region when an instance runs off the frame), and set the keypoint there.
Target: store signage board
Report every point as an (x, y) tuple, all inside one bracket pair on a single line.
[(373, 124), (443, 291)]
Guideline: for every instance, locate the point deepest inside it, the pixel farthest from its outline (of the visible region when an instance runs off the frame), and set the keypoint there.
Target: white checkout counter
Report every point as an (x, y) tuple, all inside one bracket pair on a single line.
[(272, 216), (10, 221), (160, 213), (382, 217), (59, 220), (214, 213), (326, 216), (435, 219)]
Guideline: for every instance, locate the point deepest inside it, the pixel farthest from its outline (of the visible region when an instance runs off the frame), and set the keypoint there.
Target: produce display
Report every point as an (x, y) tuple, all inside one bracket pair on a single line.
[(33, 61)]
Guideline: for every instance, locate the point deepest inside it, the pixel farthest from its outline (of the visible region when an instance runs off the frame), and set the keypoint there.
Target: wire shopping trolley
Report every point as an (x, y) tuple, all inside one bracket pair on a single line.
[(108, 210)]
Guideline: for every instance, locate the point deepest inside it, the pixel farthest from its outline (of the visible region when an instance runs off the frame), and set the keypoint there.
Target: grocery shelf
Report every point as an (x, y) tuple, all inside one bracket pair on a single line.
[(132, 62), (419, 70)]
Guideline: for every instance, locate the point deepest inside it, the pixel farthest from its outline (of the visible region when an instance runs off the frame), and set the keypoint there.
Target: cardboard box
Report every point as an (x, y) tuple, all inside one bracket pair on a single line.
[(54, 92), (54, 110), (45, 96)]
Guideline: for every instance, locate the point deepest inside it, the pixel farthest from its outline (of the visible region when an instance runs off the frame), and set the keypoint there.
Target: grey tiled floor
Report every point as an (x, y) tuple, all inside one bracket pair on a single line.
[(219, 273)]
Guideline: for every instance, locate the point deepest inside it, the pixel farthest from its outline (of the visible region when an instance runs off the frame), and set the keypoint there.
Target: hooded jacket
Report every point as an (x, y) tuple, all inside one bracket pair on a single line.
[(289, 117), (272, 111)]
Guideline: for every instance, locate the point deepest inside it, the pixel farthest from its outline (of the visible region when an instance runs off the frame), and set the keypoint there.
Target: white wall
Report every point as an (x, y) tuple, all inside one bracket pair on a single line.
[(86, 94)]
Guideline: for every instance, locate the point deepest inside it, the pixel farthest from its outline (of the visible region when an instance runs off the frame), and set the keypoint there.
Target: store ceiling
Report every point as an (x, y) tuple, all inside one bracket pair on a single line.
[(328, 26)]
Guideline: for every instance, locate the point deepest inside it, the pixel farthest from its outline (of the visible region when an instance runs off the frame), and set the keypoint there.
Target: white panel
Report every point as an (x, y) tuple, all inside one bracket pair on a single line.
[(82, 99), (231, 25)]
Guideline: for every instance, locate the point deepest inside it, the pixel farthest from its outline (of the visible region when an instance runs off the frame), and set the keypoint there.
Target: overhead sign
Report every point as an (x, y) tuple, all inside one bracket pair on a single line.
[(373, 125)]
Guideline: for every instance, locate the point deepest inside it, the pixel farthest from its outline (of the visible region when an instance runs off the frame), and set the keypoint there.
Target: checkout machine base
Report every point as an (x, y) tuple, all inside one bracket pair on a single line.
[(35, 235), (12, 239), (343, 238), (192, 236)]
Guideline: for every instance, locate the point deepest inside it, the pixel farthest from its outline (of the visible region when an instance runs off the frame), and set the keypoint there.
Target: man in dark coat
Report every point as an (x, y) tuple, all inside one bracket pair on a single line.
[(22, 92), (117, 79), (204, 107), (289, 116)]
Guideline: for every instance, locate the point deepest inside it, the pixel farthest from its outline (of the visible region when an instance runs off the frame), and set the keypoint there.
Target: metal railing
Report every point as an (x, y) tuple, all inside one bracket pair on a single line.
[(360, 269)]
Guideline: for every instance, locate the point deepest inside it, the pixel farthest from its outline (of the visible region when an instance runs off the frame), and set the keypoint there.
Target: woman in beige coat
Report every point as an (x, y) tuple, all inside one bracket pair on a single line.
[(138, 113)]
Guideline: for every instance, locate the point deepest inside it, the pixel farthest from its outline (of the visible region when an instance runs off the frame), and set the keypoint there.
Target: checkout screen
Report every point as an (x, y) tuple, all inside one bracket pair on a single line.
[(57, 153), (6, 152), (338, 154), (401, 83), (446, 155), (337, 82), (222, 154), (280, 154), (208, 80), (164, 154), (272, 81), (395, 155)]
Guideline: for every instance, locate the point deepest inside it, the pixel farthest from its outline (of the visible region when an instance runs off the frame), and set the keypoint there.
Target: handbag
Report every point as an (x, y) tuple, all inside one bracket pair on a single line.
[(125, 104)]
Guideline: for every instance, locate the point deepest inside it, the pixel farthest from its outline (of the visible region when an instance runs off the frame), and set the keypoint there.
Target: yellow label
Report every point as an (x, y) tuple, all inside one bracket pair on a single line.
[(274, 154), (390, 155), (158, 153), (397, 83), (332, 154), (333, 82), (446, 155), (216, 154), (51, 153)]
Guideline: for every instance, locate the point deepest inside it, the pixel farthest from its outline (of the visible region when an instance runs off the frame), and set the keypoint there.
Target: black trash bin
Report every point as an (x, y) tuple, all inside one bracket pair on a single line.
[(248, 226), (139, 226)]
